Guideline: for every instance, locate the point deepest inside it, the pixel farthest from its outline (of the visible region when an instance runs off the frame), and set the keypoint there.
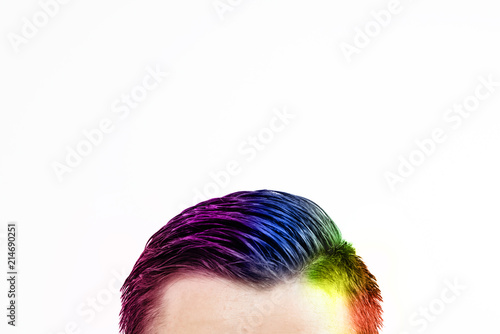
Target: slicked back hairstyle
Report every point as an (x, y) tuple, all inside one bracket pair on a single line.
[(259, 238)]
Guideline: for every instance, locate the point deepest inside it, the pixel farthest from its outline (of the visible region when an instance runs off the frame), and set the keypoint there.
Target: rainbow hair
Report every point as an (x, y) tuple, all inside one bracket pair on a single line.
[(260, 238)]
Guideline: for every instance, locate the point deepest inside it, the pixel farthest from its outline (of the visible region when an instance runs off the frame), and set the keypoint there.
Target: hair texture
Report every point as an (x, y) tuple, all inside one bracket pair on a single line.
[(259, 238)]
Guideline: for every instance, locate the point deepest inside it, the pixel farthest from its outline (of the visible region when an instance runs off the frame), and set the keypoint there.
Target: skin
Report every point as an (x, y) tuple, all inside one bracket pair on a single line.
[(203, 305)]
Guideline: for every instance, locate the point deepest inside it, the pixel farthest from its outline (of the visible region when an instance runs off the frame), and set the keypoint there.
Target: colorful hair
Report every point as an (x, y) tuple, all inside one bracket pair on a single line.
[(260, 238)]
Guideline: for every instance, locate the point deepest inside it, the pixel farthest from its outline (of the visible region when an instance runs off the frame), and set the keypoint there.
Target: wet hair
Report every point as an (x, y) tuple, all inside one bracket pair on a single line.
[(259, 238)]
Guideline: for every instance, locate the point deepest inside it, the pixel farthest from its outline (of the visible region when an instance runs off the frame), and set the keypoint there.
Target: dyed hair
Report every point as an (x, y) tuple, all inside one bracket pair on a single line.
[(260, 238)]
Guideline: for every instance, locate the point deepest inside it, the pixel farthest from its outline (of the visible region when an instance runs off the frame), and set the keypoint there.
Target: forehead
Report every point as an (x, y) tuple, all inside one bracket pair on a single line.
[(203, 305)]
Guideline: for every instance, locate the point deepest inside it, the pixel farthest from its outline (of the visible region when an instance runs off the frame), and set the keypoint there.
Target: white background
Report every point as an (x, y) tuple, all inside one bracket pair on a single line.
[(228, 74)]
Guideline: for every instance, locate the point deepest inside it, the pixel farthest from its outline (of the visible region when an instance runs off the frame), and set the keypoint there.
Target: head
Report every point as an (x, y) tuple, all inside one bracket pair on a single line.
[(250, 262)]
